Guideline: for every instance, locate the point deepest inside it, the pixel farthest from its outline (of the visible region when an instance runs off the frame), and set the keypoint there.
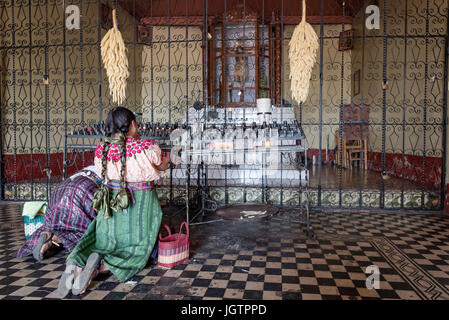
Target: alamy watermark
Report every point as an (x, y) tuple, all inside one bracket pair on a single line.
[(73, 19), (373, 281)]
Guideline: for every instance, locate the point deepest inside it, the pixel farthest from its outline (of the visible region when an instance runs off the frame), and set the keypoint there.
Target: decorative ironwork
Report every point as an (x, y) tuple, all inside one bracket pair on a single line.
[(52, 83)]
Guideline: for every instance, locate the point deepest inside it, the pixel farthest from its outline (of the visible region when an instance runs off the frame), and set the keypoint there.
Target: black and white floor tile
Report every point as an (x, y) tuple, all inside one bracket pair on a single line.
[(269, 259)]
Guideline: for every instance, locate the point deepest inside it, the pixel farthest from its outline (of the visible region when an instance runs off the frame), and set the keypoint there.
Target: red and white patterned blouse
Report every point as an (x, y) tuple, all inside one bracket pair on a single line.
[(141, 157)]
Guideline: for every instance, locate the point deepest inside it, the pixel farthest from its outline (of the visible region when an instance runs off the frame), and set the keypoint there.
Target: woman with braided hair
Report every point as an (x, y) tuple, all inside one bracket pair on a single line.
[(124, 232)]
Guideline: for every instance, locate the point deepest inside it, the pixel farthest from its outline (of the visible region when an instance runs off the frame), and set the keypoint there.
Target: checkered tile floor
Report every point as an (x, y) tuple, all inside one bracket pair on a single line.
[(264, 259)]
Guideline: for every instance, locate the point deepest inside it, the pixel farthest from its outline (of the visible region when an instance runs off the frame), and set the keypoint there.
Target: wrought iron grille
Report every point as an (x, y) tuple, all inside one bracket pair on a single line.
[(53, 83)]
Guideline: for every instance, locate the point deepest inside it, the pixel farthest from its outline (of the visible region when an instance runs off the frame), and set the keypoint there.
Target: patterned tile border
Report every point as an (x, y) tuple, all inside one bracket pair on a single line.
[(290, 196), (423, 283)]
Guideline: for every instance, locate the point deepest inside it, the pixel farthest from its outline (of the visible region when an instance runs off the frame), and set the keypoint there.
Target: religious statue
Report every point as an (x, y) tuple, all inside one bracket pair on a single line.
[(241, 63)]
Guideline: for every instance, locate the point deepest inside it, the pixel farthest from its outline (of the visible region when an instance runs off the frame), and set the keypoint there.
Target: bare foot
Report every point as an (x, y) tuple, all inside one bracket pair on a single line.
[(78, 270), (94, 274), (46, 246), (103, 269), (54, 240)]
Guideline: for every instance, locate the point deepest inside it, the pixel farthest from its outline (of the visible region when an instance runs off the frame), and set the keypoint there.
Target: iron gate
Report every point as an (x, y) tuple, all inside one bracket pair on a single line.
[(53, 83)]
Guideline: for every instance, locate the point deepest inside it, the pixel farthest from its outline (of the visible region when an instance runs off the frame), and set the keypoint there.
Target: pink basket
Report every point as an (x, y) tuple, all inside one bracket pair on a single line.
[(174, 248)]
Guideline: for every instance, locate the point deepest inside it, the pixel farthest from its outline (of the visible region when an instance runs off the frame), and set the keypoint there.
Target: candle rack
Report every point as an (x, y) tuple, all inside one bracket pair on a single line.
[(283, 138)]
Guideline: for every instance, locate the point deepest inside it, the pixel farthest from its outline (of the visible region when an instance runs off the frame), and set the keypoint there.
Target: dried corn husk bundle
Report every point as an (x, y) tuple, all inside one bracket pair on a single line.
[(113, 54), (302, 53)]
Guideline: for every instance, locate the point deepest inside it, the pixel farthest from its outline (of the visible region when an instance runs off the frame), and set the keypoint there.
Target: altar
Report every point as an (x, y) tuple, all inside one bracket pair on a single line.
[(235, 146)]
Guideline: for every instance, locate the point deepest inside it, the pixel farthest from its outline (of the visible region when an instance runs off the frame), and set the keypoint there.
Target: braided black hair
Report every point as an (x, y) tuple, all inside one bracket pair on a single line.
[(104, 161), (118, 121)]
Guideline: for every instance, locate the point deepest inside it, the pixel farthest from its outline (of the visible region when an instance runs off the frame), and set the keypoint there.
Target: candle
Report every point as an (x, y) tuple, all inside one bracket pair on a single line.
[(239, 145), (267, 143)]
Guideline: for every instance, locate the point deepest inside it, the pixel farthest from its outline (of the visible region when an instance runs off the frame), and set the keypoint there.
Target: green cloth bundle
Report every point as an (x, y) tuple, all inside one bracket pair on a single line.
[(102, 200)]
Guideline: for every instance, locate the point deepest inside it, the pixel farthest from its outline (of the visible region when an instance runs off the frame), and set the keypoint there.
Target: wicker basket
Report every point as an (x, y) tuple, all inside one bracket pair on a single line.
[(174, 248)]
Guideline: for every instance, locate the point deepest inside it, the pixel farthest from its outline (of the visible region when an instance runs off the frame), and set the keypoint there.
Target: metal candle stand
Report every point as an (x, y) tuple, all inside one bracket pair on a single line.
[(160, 133), (287, 131)]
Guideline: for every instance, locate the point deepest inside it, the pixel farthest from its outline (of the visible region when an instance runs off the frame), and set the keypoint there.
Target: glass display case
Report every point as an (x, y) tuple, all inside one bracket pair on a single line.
[(241, 59)]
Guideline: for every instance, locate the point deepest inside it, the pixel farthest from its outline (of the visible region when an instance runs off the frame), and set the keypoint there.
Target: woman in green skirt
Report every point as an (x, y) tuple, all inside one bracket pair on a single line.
[(124, 232)]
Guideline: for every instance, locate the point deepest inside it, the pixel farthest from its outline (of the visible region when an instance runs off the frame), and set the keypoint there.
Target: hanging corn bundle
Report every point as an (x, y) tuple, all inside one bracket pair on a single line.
[(113, 54), (302, 53)]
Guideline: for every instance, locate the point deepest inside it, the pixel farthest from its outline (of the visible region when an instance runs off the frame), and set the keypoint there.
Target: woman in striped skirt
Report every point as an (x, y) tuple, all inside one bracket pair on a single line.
[(68, 215), (123, 234)]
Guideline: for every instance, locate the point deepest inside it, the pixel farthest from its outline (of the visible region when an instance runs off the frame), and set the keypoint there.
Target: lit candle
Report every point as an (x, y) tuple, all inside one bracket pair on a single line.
[(267, 143)]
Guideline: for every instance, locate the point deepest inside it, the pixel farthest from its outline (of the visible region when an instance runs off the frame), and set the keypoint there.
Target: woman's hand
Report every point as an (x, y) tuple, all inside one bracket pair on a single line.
[(165, 162)]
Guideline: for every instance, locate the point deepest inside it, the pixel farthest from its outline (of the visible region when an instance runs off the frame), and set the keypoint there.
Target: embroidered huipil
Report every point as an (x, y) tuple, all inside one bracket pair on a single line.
[(142, 156), (126, 237)]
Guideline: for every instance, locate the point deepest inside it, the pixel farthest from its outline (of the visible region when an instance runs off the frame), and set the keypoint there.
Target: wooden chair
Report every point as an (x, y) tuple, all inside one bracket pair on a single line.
[(355, 136), (354, 152), (338, 160), (351, 151)]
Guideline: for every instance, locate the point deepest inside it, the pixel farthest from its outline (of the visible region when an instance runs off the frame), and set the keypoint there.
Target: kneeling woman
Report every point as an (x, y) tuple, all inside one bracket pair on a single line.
[(123, 234), (68, 215)]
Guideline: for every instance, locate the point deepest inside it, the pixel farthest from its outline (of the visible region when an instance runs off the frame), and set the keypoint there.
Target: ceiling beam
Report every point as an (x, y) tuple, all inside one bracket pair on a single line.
[(198, 20)]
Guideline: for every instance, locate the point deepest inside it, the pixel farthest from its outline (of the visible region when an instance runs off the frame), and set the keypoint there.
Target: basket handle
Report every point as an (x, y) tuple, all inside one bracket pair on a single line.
[(168, 229), (187, 227)]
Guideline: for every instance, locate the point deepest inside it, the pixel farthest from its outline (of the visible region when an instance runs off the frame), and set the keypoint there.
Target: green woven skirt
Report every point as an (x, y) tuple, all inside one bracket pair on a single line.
[(125, 240)]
